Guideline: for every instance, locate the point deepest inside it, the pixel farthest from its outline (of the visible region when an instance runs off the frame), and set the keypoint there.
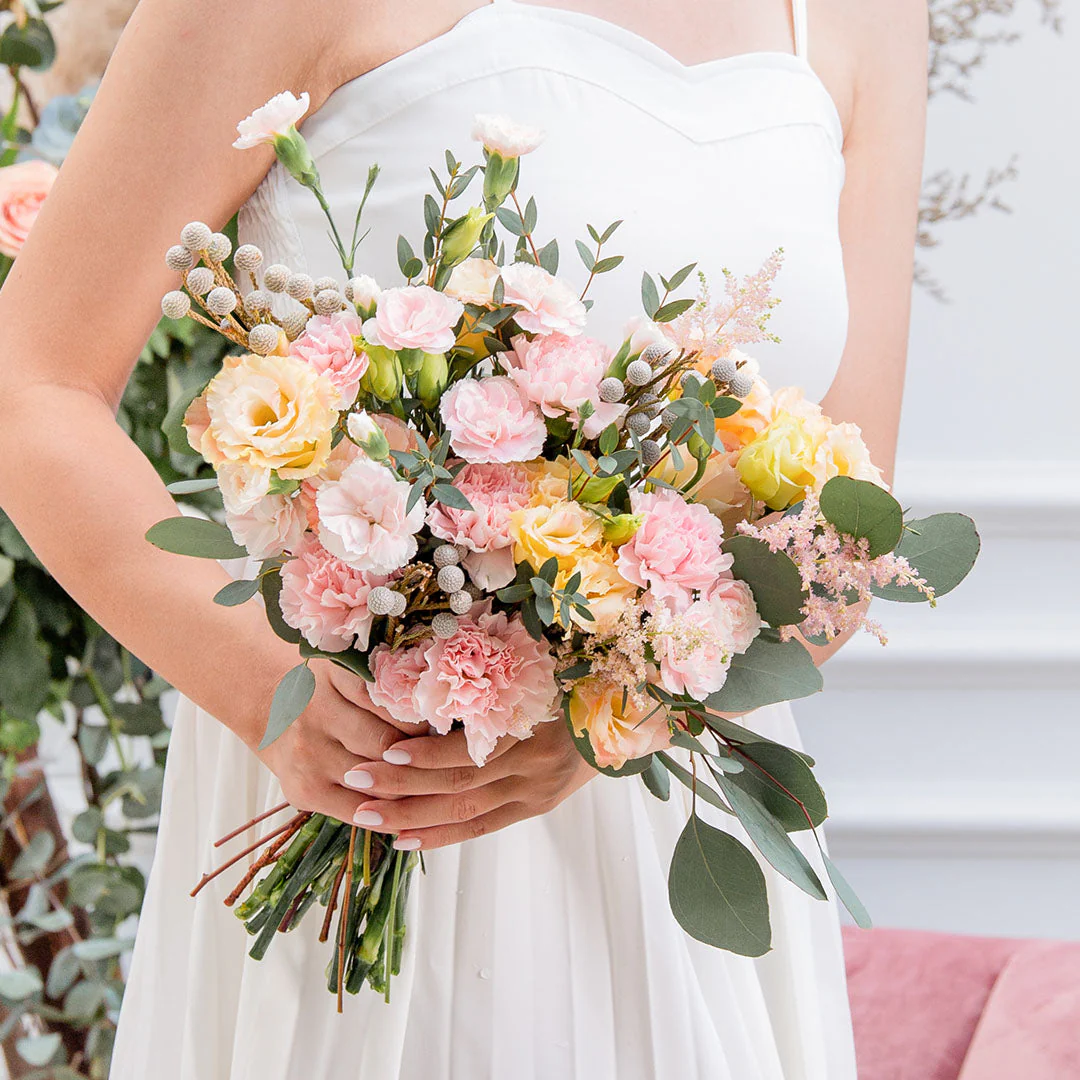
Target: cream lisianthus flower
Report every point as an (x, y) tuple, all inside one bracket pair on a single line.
[(619, 727), (260, 415), (473, 281), (564, 530), (720, 488), (551, 482), (272, 120), (843, 453)]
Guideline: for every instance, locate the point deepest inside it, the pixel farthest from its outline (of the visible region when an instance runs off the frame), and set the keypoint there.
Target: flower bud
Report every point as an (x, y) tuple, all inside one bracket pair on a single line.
[(363, 291), (383, 376), (462, 236), (432, 380), (367, 434), (621, 528), (500, 175), (292, 151)]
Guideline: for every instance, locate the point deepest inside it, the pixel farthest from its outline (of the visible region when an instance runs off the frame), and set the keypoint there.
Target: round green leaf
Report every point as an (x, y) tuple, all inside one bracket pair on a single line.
[(35, 856), (290, 699), (770, 670), (196, 537), (773, 579), (19, 984), (38, 1050), (31, 45), (863, 510), (942, 549), (779, 771), (100, 948), (717, 891), (236, 592)]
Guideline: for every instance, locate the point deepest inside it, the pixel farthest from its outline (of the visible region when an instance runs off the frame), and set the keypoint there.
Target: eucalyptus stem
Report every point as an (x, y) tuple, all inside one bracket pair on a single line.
[(105, 705)]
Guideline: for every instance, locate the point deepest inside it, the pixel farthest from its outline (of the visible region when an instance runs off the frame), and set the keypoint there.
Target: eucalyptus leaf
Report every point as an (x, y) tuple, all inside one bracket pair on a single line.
[(35, 857), (449, 495), (650, 298), (942, 549), (270, 584), (192, 487), (699, 787), (780, 780), (38, 1050), (861, 509), (291, 698), (772, 577), (769, 671), (19, 984), (657, 780), (236, 592), (847, 894), (197, 537), (717, 891)]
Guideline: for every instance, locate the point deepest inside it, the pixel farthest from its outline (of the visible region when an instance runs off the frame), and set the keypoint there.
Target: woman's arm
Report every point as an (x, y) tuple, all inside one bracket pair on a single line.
[(75, 312)]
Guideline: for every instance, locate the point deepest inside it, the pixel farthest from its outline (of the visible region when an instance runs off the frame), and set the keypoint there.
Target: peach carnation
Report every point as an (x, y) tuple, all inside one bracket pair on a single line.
[(491, 420), (492, 676), (547, 304), (560, 374), (282, 112), (676, 552), (326, 599), (414, 317), (23, 188), (495, 492), (363, 518), (327, 345)]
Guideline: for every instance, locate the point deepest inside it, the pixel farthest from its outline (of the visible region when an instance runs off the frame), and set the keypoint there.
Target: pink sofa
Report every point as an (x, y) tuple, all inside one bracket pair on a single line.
[(945, 1007)]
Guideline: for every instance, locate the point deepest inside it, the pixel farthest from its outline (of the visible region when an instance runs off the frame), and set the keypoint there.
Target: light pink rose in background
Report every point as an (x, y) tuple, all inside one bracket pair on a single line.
[(492, 676), (276, 523), (414, 317), (694, 647), (491, 420), (560, 374), (327, 345), (363, 518), (396, 673), (280, 113), (23, 188), (398, 434), (548, 305), (737, 602), (325, 599), (473, 281), (677, 549), (504, 136), (495, 492)]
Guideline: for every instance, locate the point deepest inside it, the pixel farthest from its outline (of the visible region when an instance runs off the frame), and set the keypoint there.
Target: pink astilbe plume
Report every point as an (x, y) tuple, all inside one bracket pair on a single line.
[(836, 572), (741, 317)]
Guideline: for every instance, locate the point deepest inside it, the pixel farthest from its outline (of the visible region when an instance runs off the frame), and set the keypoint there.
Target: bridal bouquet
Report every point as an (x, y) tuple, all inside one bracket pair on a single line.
[(499, 521)]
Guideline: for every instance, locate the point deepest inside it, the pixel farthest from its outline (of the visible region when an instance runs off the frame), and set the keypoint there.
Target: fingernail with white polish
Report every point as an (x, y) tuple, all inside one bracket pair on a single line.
[(407, 843), (360, 779), (367, 818), (397, 757)]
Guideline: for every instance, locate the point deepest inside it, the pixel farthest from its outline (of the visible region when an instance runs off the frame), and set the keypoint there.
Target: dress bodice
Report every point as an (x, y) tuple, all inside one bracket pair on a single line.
[(721, 162)]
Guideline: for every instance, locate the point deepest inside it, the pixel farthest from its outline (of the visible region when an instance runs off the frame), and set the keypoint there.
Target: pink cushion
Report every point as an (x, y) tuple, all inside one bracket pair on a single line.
[(916, 999)]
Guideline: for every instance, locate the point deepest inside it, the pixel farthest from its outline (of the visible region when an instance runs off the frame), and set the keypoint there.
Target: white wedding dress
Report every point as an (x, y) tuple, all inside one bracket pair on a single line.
[(546, 951)]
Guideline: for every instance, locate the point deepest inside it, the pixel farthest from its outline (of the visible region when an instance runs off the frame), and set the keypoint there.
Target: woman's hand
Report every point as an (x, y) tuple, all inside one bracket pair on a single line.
[(429, 792), (336, 733)]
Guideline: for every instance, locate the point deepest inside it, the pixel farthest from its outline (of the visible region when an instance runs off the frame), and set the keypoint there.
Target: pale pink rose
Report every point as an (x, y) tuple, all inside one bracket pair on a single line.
[(642, 332), (492, 676), (414, 317), (23, 188), (737, 601), (694, 647), (495, 492), (473, 281), (327, 345), (491, 420), (280, 113), (276, 523), (548, 305), (325, 599), (363, 518), (677, 549), (560, 374), (504, 136), (396, 673)]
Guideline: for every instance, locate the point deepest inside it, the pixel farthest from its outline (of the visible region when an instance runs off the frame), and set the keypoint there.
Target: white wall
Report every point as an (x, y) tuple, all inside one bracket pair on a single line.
[(952, 758)]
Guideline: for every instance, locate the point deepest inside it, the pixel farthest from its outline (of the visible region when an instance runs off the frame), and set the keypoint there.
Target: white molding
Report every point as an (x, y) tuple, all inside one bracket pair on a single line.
[(1007, 498)]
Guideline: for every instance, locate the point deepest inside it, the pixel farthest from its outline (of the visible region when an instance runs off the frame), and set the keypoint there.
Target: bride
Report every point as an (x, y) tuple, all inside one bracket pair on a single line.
[(542, 947)]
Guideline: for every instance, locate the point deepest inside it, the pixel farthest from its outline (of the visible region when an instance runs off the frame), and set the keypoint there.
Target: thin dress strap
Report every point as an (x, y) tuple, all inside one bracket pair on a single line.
[(798, 11)]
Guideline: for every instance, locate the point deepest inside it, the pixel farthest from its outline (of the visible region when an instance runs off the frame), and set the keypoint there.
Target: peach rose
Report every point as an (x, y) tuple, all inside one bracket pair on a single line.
[(23, 188), (618, 729), (563, 530)]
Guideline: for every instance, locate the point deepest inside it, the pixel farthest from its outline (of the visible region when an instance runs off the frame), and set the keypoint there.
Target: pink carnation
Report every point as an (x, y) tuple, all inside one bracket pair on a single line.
[(491, 420), (414, 317), (492, 676), (363, 518), (694, 647), (397, 672), (548, 305), (327, 345), (325, 599), (276, 523), (677, 549), (561, 373), (495, 492)]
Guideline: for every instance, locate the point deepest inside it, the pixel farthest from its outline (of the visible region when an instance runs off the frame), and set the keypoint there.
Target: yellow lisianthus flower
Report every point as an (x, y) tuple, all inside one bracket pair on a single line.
[(605, 590), (777, 465), (564, 530)]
